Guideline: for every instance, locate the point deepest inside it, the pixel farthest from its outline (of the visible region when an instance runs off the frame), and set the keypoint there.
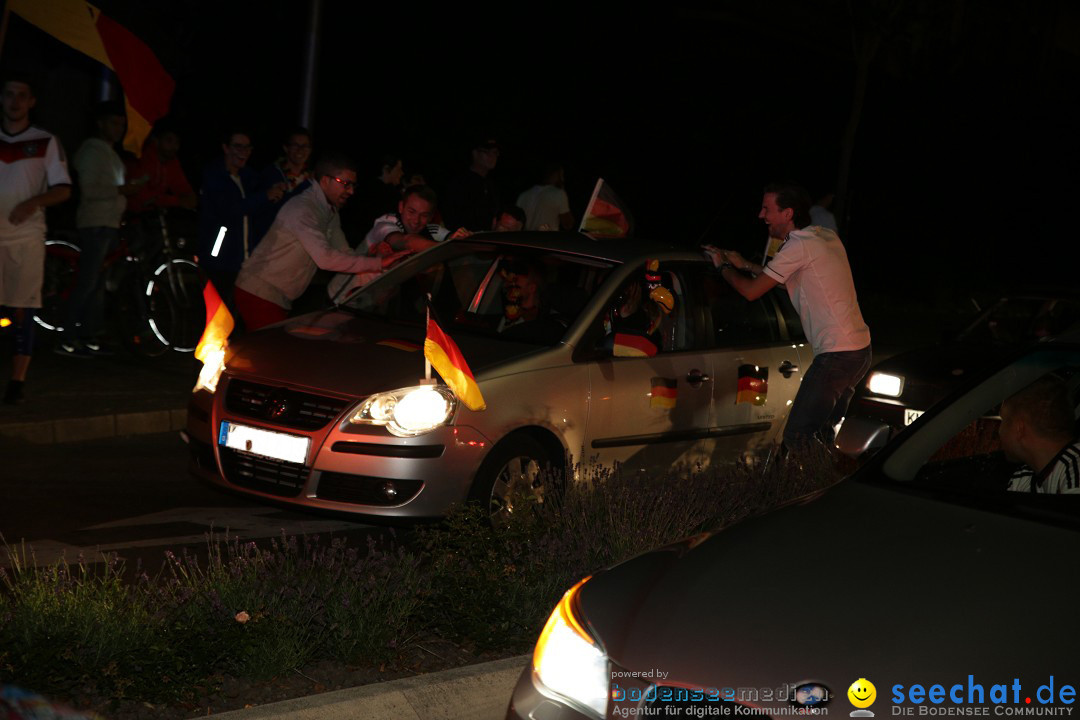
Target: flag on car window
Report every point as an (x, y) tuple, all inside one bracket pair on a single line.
[(606, 215), (78, 24), (446, 358), (665, 391), (753, 385), (631, 345), (219, 323)]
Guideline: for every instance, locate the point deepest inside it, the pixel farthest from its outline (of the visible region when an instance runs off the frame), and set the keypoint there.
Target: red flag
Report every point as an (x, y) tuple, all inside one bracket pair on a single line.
[(446, 358)]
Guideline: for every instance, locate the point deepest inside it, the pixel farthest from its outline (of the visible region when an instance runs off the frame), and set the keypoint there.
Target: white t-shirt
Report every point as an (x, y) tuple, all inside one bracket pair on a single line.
[(31, 162), (812, 264), (101, 173), (543, 204)]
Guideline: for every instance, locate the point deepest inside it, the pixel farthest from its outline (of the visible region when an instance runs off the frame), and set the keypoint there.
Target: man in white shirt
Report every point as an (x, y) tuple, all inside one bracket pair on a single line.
[(306, 235), (813, 267), (1038, 428), (546, 205), (33, 176)]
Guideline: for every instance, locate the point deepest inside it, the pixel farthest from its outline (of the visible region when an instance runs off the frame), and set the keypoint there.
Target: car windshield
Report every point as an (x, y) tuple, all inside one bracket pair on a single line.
[(1023, 319), (515, 293)]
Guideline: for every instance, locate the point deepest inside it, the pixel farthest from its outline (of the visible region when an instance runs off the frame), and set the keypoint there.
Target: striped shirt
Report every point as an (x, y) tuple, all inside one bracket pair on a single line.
[(1061, 475), (391, 223)]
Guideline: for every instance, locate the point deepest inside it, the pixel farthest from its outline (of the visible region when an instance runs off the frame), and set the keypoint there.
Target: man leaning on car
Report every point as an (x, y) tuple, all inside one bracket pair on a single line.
[(813, 266), (306, 235)]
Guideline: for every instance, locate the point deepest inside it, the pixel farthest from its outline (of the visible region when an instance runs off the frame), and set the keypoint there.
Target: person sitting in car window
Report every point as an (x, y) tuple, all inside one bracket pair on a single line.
[(1038, 428), (525, 312), (633, 324)]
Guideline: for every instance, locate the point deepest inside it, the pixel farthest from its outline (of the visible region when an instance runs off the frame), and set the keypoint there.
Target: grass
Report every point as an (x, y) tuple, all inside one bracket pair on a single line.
[(80, 632)]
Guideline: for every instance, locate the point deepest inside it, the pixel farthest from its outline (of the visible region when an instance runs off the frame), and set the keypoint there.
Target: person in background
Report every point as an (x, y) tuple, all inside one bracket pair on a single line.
[(228, 200), (165, 184), (472, 199), (33, 176), (511, 219), (546, 205), (102, 198), (290, 171)]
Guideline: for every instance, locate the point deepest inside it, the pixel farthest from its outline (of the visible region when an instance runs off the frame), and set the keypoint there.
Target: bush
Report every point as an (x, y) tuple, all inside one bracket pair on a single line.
[(255, 612)]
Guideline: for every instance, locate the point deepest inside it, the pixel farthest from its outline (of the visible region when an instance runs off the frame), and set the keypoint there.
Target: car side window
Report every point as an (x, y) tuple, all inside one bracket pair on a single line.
[(790, 315), (737, 322), (653, 312)]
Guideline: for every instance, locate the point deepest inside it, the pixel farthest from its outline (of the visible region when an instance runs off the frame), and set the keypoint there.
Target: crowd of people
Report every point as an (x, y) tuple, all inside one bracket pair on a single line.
[(261, 234)]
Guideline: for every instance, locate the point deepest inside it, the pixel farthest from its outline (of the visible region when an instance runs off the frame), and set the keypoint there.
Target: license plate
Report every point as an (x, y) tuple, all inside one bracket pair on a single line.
[(911, 416), (276, 445)]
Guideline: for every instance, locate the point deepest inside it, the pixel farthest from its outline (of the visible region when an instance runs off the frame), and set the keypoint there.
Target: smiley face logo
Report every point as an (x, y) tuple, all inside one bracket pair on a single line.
[(862, 693)]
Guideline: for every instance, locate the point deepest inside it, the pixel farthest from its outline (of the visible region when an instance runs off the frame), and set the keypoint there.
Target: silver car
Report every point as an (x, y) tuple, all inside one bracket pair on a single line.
[(920, 576), (330, 410)]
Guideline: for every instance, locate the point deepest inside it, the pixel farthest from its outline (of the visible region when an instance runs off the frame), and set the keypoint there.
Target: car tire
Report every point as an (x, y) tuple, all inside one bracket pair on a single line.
[(517, 470)]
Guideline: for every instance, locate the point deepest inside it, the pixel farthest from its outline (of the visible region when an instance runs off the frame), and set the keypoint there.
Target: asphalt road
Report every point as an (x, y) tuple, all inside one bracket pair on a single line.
[(132, 495)]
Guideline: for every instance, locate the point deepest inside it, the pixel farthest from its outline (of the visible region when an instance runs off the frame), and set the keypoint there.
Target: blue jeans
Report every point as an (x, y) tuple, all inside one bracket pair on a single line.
[(85, 312), (823, 397)]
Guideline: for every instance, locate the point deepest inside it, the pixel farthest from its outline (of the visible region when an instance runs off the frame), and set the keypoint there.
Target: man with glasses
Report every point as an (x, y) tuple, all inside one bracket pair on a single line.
[(229, 200), (306, 235)]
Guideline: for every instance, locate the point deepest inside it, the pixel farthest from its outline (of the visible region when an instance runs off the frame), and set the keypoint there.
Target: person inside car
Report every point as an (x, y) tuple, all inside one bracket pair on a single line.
[(1038, 428)]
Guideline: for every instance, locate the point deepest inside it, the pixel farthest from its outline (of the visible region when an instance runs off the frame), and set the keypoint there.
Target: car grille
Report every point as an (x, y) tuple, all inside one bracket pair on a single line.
[(364, 490), (274, 477), (282, 406)]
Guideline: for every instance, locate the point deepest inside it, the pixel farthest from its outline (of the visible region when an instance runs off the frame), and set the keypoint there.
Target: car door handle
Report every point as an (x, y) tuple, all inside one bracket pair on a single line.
[(787, 368), (695, 377)]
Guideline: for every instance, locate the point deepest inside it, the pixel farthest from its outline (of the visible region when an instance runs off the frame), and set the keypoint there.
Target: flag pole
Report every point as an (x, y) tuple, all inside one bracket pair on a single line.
[(427, 361)]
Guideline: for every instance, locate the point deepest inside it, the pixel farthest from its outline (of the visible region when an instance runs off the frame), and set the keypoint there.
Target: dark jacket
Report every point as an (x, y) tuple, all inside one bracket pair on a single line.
[(221, 204)]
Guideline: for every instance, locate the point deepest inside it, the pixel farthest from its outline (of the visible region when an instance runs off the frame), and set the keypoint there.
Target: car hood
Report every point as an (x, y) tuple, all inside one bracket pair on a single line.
[(864, 582), (932, 373), (337, 351)]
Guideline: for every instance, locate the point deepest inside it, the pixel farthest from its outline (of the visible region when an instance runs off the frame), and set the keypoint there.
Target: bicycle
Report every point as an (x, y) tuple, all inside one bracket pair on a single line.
[(152, 293)]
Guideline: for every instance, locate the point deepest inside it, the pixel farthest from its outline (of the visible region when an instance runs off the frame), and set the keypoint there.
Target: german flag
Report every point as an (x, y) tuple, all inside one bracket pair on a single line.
[(630, 345), (78, 24), (753, 385), (219, 323), (665, 391), (606, 215), (446, 358)]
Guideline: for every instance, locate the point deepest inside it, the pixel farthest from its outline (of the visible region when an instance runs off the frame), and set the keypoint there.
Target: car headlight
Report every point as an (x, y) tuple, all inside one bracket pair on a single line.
[(885, 384), (568, 661), (213, 366), (409, 411)]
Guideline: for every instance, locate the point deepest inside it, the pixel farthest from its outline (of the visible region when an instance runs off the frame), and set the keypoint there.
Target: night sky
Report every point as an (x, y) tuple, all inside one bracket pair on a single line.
[(963, 169)]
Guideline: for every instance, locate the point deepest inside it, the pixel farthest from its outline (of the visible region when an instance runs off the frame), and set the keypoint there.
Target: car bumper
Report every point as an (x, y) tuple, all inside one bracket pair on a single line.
[(528, 702), (352, 469)]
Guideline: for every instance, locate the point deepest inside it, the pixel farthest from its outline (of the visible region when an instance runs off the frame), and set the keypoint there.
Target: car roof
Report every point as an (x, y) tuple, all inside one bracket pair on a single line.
[(620, 250)]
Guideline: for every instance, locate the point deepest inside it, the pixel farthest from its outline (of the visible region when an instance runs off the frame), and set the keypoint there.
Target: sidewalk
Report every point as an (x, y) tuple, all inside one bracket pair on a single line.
[(69, 399), (474, 692)]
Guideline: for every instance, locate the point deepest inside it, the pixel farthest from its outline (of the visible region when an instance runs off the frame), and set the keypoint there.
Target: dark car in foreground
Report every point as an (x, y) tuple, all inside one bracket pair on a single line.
[(920, 576), (900, 389), (329, 411)]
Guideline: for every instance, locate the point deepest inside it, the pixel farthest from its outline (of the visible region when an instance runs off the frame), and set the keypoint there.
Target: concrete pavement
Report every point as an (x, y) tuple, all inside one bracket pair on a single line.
[(474, 692)]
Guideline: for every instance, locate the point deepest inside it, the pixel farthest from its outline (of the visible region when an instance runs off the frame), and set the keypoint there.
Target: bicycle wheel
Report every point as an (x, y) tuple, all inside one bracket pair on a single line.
[(174, 304), (61, 270)]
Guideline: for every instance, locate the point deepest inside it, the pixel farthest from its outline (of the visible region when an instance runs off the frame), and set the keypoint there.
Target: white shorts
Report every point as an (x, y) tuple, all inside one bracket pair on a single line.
[(22, 268)]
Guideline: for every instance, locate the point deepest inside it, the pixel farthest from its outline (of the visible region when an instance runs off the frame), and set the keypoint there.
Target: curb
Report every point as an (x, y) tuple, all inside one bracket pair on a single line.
[(77, 429), (473, 692)]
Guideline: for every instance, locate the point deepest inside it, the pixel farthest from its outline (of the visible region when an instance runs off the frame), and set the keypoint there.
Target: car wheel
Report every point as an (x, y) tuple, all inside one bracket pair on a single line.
[(517, 474)]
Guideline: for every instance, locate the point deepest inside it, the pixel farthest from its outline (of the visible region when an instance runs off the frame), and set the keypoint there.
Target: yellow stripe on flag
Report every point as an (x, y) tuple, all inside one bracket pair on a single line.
[(72, 22), (219, 323)]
